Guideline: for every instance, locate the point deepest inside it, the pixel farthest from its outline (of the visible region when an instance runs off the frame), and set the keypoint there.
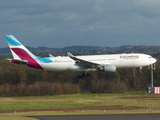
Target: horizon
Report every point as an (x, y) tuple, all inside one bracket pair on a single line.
[(89, 46)]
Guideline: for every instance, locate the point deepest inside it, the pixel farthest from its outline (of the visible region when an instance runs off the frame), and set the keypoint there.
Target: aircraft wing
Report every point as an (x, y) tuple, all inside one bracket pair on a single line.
[(83, 64)]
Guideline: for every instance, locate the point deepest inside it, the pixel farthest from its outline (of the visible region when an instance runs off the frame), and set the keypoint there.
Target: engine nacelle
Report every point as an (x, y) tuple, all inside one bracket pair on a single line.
[(108, 68)]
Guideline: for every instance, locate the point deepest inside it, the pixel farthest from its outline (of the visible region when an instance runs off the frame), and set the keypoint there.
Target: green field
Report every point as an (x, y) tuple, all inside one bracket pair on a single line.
[(18, 107)]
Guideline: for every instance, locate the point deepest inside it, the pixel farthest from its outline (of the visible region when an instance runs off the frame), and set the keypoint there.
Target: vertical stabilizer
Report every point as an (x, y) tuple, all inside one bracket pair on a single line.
[(20, 53), (18, 50)]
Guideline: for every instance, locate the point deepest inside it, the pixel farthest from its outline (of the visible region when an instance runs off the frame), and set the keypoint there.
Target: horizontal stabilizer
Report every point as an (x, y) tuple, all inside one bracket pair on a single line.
[(18, 61)]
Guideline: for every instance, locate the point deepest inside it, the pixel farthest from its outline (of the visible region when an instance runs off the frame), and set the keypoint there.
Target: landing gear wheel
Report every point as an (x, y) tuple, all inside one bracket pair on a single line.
[(88, 75), (79, 77), (84, 75)]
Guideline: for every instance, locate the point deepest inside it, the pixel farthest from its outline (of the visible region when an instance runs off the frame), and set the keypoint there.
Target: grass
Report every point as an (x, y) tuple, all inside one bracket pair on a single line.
[(149, 101)]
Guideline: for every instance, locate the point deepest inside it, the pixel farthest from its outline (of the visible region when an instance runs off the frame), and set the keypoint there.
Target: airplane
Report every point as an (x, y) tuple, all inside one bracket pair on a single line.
[(85, 63)]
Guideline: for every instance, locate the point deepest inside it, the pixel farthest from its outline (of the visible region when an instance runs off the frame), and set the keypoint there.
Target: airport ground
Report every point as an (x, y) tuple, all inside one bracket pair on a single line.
[(16, 108), (102, 117)]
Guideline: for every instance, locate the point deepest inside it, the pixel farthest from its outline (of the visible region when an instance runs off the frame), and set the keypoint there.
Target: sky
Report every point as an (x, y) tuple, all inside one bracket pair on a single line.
[(62, 23)]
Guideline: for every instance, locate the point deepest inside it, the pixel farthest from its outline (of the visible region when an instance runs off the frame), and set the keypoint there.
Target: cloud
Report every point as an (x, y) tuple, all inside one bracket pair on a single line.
[(61, 23)]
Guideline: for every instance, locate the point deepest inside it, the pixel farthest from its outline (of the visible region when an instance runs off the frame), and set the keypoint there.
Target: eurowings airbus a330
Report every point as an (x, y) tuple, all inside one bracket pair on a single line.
[(86, 63)]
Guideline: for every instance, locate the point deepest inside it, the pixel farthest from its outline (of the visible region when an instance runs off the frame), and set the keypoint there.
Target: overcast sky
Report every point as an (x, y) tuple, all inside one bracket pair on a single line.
[(61, 23)]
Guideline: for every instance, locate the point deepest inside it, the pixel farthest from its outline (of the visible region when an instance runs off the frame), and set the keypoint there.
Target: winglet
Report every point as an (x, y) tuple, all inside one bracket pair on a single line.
[(50, 55), (70, 55)]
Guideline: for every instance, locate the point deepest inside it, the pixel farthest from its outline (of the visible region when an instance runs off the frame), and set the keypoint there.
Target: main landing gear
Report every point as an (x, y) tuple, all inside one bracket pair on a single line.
[(83, 76)]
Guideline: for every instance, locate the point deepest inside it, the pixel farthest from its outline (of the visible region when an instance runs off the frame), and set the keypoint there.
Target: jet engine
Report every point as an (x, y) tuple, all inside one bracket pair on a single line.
[(108, 68)]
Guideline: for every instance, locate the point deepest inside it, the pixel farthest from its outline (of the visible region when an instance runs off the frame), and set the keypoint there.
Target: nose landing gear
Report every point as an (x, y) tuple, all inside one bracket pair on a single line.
[(140, 70)]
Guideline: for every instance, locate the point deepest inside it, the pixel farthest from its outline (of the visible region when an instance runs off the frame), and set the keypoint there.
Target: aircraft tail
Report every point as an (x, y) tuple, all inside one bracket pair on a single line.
[(21, 54)]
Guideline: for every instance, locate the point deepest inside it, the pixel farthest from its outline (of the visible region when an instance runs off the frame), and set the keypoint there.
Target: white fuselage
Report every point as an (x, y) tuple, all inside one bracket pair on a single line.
[(108, 63), (132, 60)]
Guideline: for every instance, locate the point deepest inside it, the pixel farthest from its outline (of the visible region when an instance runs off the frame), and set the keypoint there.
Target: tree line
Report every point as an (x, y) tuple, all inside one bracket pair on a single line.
[(20, 80)]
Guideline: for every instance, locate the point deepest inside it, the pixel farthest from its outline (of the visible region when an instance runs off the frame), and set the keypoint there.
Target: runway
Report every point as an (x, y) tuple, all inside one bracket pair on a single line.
[(155, 116)]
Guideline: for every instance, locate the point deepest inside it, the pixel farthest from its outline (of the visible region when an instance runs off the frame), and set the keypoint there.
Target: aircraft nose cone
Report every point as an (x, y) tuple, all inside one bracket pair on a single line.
[(154, 60)]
